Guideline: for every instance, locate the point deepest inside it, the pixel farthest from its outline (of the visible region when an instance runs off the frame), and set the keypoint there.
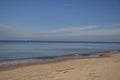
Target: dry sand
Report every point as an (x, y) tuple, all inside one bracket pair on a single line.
[(105, 68)]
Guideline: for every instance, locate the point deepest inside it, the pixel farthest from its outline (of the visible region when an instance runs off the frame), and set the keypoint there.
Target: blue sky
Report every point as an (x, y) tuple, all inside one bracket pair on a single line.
[(84, 20)]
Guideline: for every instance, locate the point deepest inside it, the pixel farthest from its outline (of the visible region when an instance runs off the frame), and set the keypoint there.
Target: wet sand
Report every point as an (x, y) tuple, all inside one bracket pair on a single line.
[(105, 68)]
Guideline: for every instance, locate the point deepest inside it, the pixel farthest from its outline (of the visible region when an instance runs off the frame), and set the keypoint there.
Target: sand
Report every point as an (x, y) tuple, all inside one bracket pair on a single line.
[(105, 68)]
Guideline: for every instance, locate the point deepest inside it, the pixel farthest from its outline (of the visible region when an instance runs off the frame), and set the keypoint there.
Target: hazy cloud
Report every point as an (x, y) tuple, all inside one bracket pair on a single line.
[(9, 32), (71, 29), (85, 33)]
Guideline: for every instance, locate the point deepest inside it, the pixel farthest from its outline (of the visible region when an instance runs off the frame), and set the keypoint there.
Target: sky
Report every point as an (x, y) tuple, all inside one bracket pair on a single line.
[(66, 20)]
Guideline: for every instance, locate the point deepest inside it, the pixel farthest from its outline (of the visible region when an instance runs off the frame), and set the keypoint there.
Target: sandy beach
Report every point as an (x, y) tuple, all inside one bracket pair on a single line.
[(104, 68)]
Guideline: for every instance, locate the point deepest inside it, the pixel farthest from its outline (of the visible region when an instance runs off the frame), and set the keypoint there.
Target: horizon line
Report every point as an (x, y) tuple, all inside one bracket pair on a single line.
[(60, 41)]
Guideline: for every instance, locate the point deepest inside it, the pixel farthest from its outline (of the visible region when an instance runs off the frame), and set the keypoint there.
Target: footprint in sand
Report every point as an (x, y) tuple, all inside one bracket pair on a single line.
[(60, 79), (60, 71), (65, 70), (94, 75)]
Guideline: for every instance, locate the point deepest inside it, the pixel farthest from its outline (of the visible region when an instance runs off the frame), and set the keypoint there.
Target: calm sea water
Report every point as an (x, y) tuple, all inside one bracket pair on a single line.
[(24, 49)]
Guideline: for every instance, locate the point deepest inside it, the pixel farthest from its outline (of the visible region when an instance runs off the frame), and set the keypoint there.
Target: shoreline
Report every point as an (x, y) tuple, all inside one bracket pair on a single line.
[(105, 67), (47, 59), (72, 55), (17, 63)]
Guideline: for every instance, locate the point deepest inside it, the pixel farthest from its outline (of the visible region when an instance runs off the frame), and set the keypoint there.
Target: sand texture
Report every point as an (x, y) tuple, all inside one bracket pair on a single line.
[(105, 68)]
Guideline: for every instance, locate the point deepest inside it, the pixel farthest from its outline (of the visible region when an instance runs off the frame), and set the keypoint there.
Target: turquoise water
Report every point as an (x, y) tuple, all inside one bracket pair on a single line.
[(24, 49)]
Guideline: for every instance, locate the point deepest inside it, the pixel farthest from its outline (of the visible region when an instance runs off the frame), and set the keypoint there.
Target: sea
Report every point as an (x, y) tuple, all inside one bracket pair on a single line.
[(11, 50)]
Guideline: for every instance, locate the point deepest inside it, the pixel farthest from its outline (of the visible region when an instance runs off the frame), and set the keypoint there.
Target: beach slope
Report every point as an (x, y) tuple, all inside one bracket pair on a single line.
[(104, 68)]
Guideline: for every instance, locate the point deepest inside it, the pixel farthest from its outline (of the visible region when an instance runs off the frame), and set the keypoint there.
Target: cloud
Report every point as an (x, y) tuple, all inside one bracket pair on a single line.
[(9, 32), (71, 29), (116, 25), (85, 33), (82, 33)]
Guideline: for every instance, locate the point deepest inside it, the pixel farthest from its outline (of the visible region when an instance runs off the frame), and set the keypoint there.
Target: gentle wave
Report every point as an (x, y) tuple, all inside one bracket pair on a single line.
[(51, 58)]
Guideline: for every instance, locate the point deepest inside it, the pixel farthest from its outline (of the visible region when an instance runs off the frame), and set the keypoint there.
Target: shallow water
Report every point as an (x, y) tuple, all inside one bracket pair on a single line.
[(24, 49)]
